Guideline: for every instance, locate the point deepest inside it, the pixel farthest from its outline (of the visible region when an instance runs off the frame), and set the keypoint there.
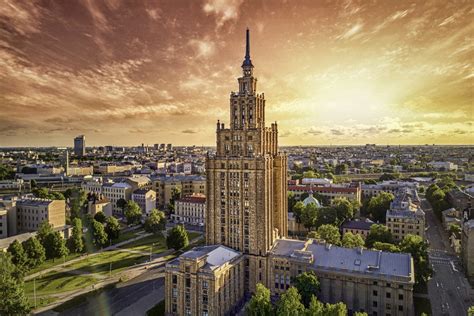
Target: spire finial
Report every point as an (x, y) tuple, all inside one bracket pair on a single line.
[(247, 62)]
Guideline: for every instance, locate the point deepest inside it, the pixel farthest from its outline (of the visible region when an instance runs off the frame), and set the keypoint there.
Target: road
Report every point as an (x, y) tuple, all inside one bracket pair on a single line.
[(448, 289)]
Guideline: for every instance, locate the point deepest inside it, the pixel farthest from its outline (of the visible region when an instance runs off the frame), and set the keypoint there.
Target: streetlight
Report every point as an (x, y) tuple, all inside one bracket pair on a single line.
[(34, 289)]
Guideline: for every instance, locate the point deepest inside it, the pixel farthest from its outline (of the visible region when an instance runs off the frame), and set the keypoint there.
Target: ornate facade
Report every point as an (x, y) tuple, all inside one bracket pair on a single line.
[(246, 230)]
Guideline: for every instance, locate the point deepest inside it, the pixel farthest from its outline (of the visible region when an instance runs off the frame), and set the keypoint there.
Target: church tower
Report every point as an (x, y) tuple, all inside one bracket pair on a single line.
[(246, 179)]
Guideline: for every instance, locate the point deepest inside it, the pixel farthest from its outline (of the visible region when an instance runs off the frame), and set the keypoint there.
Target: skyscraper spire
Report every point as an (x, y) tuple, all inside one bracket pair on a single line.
[(247, 62)]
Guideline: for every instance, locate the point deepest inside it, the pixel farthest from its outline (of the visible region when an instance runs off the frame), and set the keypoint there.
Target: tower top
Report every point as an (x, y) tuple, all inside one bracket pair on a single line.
[(247, 61)]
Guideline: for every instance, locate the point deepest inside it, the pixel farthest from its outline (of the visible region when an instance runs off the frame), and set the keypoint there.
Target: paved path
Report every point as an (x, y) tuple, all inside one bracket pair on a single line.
[(448, 290), (63, 266)]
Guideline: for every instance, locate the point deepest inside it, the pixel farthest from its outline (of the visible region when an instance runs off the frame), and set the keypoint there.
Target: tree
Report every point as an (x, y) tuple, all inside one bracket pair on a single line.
[(470, 311), (112, 227), (379, 233), (341, 169), (351, 240), (291, 201), (316, 308), (34, 251), (298, 210), (19, 257), (309, 216), (133, 213), (330, 234), (418, 248), (100, 217), (260, 304), (455, 230), (387, 176), (338, 309), (43, 231), (6, 172), (155, 222), (12, 292), (384, 246), (55, 246), (76, 241), (290, 304), (378, 206), (99, 236), (308, 286), (361, 314), (121, 203), (310, 174), (343, 208), (177, 238), (326, 215)]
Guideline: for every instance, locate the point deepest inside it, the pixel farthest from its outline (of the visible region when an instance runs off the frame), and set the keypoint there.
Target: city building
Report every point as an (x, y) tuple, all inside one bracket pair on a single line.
[(405, 215), (31, 213), (115, 192), (246, 230), (190, 209), (98, 203), (370, 190), (361, 227), (80, 146), (443, 165), (462, 201), (185, 185), (467, 248), (146, 199), (352, 193), (3, 223)]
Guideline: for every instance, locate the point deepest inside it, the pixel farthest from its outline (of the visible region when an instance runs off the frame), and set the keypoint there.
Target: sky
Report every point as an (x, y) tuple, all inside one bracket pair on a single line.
[(333, 72)]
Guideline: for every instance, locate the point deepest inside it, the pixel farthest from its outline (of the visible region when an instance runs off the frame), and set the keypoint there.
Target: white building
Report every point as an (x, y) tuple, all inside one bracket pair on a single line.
[(443, 165), (146, 199), (115, 192), (190, 209), (316, 181)]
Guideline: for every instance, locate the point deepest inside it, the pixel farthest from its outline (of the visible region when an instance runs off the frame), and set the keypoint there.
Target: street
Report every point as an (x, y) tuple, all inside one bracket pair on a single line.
[(448, 289)]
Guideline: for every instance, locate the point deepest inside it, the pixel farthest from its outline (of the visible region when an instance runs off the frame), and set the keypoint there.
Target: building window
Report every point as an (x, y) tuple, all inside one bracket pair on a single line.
[(175, 279), (388, 306), (375, 293), (174, 308), (374, 303), (388, 295), (188, 282), (400, 297), (400, 308), (205, 285)]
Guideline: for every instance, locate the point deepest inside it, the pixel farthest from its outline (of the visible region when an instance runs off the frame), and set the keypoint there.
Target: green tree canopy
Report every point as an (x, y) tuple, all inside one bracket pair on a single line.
[(378, 206), (298, 210), (55, 246), (351, 240), (177, 238), (343, 208), (155, 222), (43, 231), (330, 234), (99, 236), (19, 257), (6, 172), (34, 251), (378, 232), (290, 304), (121, 203), (133, 213), (76, 241), (14, 300), (385, 246), (418, 248), (260, 304), (112, 228), (307, 284), (100, 217), (455, 230), (309, 216)]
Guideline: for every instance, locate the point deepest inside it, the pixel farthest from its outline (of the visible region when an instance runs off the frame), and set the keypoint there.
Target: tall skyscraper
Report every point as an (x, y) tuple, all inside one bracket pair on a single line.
[(80, 145), (246, 179)]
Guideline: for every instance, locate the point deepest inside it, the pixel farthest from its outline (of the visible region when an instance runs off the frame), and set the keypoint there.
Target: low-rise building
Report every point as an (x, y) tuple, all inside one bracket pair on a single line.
[(329, 191), (190, 209), (206, 280), (370, 190), (186, 185), (3, 223), (99, 203), (405, 215), (31, 213), (115, 192), (146, 199), (361, 227)]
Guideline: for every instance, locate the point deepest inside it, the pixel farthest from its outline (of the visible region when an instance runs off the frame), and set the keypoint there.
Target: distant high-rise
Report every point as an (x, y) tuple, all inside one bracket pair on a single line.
[(80, 145)]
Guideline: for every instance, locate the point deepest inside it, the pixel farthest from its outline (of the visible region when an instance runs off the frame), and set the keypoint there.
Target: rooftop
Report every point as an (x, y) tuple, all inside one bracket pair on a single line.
[(363, 225), (215, 255)]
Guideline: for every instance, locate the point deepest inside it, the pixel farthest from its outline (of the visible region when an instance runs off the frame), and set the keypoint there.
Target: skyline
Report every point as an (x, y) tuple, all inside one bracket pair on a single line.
[(347, 73)]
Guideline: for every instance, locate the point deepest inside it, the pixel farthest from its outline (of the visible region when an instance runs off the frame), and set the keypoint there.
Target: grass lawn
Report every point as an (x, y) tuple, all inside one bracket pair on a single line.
[(126, 236), (157, 310), (192, 235), (101, 263), (144, 244), (40, 301), (422, 305), (50, 263), (56, 282)]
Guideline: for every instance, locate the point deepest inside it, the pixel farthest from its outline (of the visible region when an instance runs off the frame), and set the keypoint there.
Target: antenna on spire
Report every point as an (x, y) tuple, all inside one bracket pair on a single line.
[(247, 62)]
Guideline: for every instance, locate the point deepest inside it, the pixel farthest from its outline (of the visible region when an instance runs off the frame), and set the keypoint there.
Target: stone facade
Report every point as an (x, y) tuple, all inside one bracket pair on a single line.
[(190, 209), (467, 250), (30, 213)]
